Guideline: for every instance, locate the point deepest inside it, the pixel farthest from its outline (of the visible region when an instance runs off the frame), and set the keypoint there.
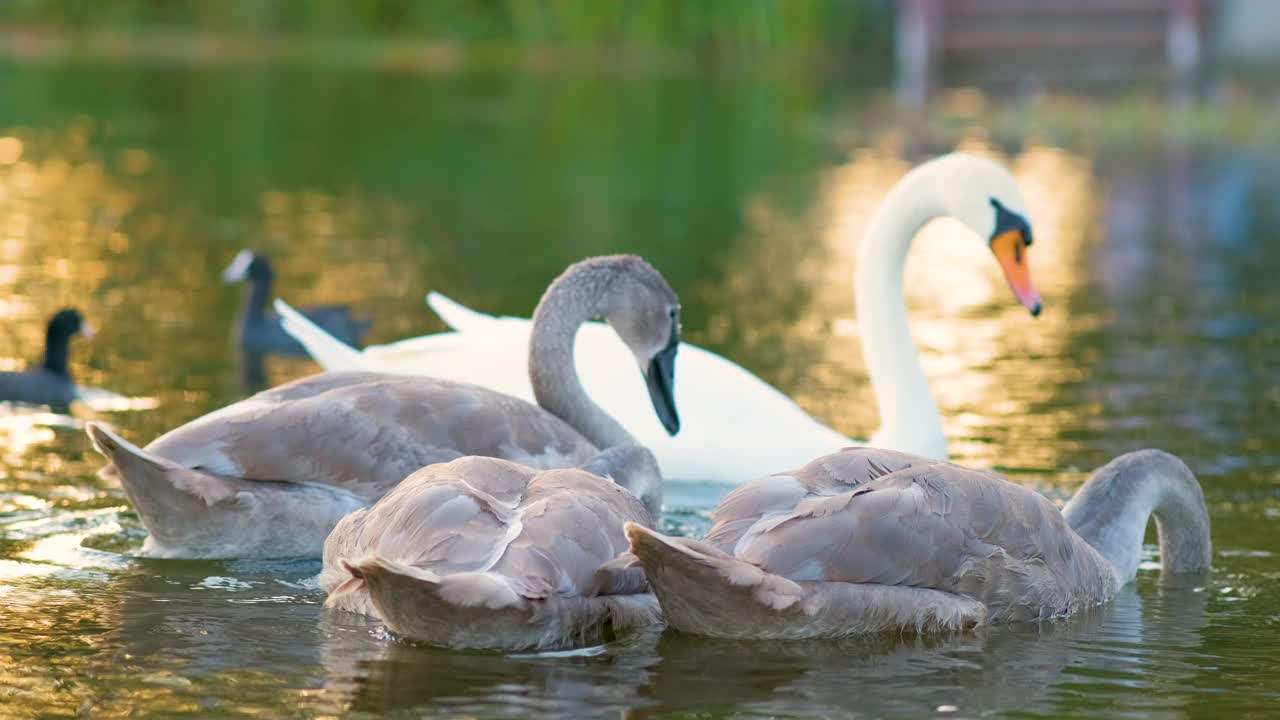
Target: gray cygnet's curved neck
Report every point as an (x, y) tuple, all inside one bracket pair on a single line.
[(575, 297), (1111, 510)]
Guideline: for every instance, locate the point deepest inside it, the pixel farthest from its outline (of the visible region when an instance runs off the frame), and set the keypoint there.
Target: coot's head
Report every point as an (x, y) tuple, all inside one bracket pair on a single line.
[(247, 265), (68, 322)]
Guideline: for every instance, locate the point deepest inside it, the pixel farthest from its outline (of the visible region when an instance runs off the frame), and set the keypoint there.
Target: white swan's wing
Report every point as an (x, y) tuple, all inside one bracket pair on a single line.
[(733, 425), (498, 361), (479, 358), (458, 316), (329, 351)]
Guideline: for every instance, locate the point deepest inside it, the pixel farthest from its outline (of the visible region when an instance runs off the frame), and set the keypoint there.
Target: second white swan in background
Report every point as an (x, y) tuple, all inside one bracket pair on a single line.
[(734, 425)]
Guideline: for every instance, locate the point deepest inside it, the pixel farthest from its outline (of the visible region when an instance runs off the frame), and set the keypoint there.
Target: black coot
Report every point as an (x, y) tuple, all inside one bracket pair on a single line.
[(50, 383), (259, 332), (259, 327)]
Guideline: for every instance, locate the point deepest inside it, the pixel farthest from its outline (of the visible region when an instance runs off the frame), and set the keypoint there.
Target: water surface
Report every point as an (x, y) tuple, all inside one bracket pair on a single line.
[(125, 190)]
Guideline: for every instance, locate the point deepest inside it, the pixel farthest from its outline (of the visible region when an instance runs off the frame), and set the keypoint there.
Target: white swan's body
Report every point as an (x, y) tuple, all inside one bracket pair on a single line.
[(722, 437), (733, 423)]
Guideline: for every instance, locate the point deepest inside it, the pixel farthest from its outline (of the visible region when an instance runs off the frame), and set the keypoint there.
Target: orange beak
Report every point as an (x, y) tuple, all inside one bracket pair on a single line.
[(1011, 251)]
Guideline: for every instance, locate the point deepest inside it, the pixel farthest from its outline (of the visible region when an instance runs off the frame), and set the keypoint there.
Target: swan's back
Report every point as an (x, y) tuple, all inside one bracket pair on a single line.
[(509, 531), (875, 517), (777, 496), (366, 431)]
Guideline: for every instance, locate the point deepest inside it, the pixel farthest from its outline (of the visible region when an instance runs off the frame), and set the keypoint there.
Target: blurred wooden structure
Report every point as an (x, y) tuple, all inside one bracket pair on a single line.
[(1022, 46)]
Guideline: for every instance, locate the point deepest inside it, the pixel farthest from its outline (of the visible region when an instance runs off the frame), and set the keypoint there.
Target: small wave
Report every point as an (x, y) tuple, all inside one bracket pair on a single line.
[(100, 400), (219, 582)]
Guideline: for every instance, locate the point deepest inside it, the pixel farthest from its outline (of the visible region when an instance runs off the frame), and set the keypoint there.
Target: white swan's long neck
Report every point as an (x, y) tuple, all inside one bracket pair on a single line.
[(908, 412), (574, 298), (1111, 510)]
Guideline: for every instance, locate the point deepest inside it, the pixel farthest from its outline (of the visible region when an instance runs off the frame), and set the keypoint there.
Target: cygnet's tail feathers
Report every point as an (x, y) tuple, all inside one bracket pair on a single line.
[(327, 350), (120, 451), (345, 589), (150, 480), (702, 589), (460, 610), (622, 575), (482, 610), (390, 581)]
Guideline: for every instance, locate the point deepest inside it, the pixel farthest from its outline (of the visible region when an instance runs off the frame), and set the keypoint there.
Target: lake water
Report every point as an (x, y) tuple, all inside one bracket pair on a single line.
[(125, 190)]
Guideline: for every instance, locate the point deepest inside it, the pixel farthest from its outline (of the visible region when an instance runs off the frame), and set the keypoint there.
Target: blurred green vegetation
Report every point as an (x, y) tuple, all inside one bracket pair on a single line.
[(675, 24)]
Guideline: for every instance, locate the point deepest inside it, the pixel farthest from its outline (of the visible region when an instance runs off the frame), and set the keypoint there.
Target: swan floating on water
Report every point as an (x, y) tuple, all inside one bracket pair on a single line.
[(486, 553), (734, 423), (869, 540)]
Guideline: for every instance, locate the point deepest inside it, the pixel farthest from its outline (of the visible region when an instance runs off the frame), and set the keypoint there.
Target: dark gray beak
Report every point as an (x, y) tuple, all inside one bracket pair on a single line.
[(660, 379)]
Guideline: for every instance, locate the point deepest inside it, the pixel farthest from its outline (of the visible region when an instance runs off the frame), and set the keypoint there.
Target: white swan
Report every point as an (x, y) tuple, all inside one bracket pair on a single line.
[(869, 540), (733, 423)]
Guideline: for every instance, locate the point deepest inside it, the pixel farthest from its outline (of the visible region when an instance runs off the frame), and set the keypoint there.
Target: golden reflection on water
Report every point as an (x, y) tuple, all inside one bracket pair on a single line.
[(98, 229), (89, 229), (101, 231), (788, 291), (20, 433), (358, 243), (58, 205)]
